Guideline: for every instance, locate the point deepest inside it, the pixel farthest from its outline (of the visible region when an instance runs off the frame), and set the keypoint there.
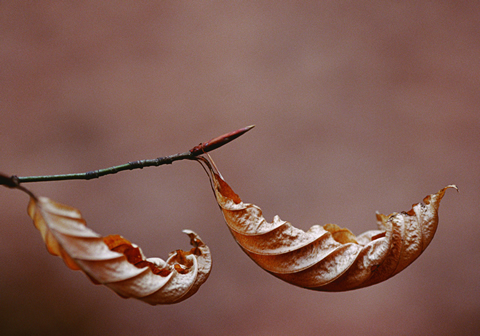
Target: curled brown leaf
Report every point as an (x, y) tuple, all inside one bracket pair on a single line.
[(329, 258), (117, 263)]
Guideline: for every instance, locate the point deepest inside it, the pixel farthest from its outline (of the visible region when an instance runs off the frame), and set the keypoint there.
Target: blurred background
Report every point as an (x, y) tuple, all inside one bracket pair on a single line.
[(358, 107)]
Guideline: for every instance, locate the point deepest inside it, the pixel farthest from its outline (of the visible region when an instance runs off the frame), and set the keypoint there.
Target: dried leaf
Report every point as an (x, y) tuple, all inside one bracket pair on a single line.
[(117, 263), (329, 258)]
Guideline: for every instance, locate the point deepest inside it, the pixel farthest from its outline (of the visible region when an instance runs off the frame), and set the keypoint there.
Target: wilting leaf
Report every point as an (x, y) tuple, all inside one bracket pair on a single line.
[(329, 258), (117, 263)]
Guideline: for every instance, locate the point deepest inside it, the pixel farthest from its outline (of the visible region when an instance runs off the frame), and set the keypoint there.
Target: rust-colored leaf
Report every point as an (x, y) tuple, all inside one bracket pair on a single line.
[(329, 258), (117, 263)]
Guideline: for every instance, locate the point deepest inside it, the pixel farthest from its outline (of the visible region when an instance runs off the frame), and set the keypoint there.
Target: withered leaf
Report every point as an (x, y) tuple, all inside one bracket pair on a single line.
[(329, 258), (117, 263)]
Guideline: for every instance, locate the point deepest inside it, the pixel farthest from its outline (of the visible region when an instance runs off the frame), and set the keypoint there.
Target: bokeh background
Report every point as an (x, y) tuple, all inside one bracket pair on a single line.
[(358, 107)]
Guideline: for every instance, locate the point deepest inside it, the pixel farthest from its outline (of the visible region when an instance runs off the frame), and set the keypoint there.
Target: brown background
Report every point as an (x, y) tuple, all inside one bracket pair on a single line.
[(358, 107)]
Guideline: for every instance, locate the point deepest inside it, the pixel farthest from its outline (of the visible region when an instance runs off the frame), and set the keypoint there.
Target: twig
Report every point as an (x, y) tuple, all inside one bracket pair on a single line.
[(192, 154)]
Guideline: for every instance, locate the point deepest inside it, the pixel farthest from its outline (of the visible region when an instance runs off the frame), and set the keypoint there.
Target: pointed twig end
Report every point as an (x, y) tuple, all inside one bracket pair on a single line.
[(219, 141)]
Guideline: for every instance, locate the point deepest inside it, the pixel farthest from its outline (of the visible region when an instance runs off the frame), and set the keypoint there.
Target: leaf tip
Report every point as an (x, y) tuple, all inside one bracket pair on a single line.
[(452, 186), (195, 239)]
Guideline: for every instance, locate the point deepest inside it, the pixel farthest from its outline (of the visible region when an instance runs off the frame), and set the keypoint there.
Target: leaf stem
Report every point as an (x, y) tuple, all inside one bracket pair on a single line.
[(190, 155)]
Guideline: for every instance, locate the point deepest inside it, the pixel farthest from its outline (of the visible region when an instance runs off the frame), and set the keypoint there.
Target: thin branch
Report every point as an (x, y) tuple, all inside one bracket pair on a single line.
[(190, 155), (108, 171)]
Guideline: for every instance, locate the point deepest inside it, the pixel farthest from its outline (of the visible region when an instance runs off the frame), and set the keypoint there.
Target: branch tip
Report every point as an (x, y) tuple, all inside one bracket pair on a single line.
[(14, 181), (219, 141)]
